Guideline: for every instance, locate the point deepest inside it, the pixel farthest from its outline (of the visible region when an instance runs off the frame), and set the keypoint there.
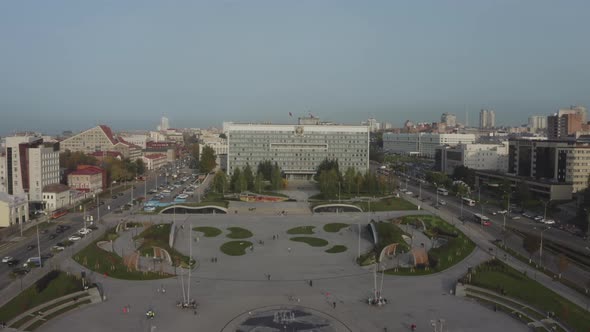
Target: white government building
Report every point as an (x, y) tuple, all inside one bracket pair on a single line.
[(297, 148), (422, 144)]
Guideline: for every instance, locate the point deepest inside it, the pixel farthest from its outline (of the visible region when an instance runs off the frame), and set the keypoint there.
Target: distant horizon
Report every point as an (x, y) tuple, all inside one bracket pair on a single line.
[(68, 65)]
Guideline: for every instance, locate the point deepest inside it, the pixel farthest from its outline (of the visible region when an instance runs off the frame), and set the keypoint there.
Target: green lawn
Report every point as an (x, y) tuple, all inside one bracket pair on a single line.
[(334, 227), (312, 241), (157, 236), (235, 248), (336, 249), (457, 248), (208, 231), (59, 286), (389, 233), (109, 263), (301, 230), (387, 204), (239, 233), (495, 275)]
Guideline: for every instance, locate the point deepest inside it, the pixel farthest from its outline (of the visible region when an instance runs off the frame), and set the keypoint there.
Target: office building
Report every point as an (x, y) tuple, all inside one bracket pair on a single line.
[(100, 138), (450, 120), (475, 156), (164, 124), (297, 149), (487, 119), (537, 123), (422, 144), (29, 164), (557, 161)]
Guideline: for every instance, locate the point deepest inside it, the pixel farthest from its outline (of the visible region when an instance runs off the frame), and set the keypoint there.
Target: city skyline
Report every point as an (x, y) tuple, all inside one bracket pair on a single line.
[(68, 66)]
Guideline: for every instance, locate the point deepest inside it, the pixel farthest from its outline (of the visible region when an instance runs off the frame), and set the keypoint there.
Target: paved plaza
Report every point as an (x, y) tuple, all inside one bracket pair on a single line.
[(235, 293)]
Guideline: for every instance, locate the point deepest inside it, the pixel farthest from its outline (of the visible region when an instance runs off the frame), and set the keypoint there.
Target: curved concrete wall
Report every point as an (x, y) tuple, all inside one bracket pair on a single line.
[(215, 208), (337, 205)]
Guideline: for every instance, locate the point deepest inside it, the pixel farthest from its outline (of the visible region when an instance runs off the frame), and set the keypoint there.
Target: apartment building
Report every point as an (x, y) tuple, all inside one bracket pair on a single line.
[(14, 209), (422, 144), (487, 119)]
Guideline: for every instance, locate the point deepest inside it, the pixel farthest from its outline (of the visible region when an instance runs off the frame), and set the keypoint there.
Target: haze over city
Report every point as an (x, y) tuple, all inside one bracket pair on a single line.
[(72, 65)]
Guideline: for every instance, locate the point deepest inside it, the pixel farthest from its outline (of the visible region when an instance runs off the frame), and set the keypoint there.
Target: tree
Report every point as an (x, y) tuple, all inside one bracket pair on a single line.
[(326, 165), (222, 135), (207, 161), (220, 182), (249, 177), (276, 178), (349, 180), (461, 190), (258, 185), (531, 244), (71, 160), (358, 179), (465, 174), (265, 168), (235, 180), (441, 179), (562, 263), (328, 181), (140, 166), (193, 150)]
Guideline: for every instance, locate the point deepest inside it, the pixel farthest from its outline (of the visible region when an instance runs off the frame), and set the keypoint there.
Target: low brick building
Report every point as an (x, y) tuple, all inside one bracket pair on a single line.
[(88, 178)]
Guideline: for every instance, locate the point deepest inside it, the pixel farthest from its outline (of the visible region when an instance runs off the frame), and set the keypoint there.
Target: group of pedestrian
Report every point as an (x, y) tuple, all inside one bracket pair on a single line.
[(310, 282), (162, 289), (260, 242), (213, 259), (267, 276), (127, 309), (275, 237)]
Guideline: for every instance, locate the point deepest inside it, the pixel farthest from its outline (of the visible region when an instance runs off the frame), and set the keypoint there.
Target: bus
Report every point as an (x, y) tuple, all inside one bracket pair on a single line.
[(59, 213), (481, 219), (442, 191), (468, 201)]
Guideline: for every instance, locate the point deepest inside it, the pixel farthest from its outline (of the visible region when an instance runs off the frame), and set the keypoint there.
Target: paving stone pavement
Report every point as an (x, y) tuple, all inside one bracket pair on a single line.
[(235, 286)]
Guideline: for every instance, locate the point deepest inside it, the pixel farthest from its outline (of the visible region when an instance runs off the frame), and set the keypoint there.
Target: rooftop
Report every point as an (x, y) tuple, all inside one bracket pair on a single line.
[(55, 188)]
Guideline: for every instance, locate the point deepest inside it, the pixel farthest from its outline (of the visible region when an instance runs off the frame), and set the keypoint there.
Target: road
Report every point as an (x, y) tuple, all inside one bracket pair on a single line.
[(75, 221)]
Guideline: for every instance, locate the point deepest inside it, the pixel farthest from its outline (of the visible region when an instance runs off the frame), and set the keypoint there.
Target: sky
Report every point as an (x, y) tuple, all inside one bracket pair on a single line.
[(70, 65)]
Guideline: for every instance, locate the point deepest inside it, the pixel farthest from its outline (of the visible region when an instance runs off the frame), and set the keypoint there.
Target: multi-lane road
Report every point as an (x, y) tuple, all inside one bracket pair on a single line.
[(48, 237)]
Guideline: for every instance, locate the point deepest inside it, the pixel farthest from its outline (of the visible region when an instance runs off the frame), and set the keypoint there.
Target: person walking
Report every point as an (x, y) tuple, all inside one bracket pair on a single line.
[(334, 304)]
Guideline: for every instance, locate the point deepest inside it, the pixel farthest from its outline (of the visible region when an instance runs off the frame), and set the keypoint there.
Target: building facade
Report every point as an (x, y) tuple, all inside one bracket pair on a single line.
[(99, 138), (487, 119), (29, 165), (564, 123), (14, 209), (56, 196), (422, 144), (475, 156), (297, 149), (556, 161), (87, 178), (537, 123), (154, 161)]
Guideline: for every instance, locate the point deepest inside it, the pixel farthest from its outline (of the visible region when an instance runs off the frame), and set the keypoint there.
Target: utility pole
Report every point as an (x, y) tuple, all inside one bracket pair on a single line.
[(39, 247)]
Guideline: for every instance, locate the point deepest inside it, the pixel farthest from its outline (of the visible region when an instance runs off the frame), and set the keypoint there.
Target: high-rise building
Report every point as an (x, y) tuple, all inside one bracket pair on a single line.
[(450, 120), (487, 119), (30, 165), (537, 123), (164, 124), (564, 123), (492, 156), (576, 110), (297, 149), (373, 125)]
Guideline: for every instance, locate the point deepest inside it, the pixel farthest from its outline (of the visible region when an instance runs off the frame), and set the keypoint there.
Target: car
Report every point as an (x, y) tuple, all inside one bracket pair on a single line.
[(548, 221), (58, 248), (487, 223), (515, 218), (442, 202), (58, 230), (538, 218), (84, 231), (20, 271), (149, 209), (526, 215), (114, 197), (7, 259), (13, 262), (53, 236), (74, 237), (502, 211), (409, 193), (31, 247)]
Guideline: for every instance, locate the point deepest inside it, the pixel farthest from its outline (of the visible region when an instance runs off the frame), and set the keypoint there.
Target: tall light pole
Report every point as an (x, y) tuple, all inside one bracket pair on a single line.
[(436, 186), (545, 211), (420, 191), (39, 247)]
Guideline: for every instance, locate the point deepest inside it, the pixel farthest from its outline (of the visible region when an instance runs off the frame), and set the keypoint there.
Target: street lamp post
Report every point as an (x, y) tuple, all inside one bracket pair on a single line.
[(420, 191), (545, 211), (436, 186), (541, 247)]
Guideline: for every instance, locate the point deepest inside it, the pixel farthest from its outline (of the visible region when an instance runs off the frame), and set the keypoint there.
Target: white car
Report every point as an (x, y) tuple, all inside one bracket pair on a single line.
[(548, 221), (442, 202), (149, 208), (7, 259), (84, 231), (58, 248), (502, 212), (538, 218), (74, 238), (409, 192), (516, 218)]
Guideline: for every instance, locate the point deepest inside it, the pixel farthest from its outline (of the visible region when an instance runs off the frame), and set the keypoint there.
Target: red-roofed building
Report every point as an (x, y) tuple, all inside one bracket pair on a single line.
[(88, 178), (154, 161), (130, 150), (102, 155)]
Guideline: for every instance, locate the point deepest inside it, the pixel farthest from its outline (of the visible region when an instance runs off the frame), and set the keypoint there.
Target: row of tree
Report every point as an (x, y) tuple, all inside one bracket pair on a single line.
[(243, 179), (332, 181)]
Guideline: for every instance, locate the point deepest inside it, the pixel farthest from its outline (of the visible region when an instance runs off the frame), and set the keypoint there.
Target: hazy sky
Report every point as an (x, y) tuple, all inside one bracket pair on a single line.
[(75, 64)]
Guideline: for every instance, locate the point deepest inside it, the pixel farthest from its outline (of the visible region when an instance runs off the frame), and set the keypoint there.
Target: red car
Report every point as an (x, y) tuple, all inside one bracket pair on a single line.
[(487, 223)]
